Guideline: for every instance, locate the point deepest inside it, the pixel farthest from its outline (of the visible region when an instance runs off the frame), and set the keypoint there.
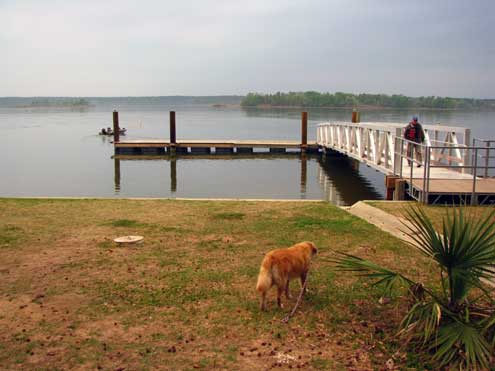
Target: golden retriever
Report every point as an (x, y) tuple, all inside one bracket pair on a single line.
[(280, 266)]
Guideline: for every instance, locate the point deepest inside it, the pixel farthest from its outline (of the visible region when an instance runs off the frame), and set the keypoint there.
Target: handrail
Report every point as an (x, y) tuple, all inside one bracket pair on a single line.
[(487, 151), (382, 146)]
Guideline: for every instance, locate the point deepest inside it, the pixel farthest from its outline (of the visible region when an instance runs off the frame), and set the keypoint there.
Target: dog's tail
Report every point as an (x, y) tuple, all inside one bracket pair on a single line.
[(265, 278)]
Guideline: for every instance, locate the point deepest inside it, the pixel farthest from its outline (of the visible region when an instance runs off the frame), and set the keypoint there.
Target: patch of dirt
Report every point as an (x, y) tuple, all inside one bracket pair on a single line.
[(60, 305)]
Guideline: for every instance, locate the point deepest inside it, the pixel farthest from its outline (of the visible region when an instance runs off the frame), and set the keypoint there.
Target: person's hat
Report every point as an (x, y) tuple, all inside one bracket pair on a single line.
[(415, 118)]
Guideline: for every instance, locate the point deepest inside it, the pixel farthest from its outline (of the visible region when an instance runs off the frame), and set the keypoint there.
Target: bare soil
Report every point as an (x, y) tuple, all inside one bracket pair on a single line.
[(184, 299)]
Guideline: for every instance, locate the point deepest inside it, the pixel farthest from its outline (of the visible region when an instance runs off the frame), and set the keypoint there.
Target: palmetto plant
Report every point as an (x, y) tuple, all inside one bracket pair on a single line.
[(455, 321)]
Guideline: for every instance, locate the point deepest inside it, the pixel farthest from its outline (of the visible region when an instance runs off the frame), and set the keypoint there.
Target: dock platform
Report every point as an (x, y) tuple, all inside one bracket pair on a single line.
[(219, 146), (459, 190)]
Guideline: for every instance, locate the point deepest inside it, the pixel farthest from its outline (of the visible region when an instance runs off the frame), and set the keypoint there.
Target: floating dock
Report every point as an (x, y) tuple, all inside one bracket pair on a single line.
[(127, 147)]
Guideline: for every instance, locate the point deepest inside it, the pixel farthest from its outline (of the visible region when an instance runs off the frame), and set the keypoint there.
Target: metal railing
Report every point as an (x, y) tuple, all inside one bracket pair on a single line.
[(486, 154), (433, 157), (374, 142)]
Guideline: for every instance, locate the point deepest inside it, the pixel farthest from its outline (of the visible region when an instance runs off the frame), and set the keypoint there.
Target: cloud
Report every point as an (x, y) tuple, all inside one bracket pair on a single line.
[(125, 47)]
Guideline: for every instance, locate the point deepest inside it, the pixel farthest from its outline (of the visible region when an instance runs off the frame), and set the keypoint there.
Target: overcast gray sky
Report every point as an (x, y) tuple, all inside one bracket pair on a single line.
[(211, 47)]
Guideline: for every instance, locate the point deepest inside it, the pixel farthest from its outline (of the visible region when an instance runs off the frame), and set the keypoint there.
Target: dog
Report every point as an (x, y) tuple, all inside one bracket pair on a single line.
[(280, 266)]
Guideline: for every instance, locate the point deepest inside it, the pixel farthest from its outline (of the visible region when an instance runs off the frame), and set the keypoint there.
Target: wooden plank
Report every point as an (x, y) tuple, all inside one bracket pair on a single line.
[(141, 144), (457, 186)]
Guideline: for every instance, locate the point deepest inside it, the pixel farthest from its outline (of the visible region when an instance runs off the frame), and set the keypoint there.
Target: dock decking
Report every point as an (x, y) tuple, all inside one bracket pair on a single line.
[(208, 144)]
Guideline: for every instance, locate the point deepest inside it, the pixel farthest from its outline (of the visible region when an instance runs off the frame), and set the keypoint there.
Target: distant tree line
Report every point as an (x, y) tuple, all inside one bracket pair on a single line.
[(339, 99), (66, 102)]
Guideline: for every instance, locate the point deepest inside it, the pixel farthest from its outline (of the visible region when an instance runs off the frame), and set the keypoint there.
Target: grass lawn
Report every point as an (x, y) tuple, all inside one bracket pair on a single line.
[(185, 298), (435, 213)]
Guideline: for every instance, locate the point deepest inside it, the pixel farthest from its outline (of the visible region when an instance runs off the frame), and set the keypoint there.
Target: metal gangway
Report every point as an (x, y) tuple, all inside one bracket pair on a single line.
[(449, 166)]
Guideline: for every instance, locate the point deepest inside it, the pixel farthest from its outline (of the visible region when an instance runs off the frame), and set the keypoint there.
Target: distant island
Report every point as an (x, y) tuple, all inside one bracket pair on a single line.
[(54, 102), (61, 102), (84, 102), (347, 100)]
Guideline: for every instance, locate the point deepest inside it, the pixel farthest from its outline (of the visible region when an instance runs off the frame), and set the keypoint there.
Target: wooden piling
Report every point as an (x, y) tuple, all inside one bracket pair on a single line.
[(304, 131), (356, 116), (390, 186), (400, 189), (172, 128), (116, 132)]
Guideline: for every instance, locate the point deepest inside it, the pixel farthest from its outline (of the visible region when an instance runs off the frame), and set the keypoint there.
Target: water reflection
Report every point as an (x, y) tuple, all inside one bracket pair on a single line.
[(339, 178), (342, 181), (369, 115), (304, 174), (173, 174), (116, 176)]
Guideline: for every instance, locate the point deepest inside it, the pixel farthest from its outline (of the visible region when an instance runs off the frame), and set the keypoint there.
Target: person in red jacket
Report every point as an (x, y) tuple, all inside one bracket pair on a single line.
[(415, 135)]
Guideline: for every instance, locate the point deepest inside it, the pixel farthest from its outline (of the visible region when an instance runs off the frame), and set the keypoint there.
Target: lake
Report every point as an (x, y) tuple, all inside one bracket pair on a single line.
[(57, 152)]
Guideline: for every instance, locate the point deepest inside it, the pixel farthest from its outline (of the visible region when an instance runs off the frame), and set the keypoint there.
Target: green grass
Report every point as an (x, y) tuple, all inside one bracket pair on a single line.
[(321, 363), (194, 276), (229, 216), (10, 234)]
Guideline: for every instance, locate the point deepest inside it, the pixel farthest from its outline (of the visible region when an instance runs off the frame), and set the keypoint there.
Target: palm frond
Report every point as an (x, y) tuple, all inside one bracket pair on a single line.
[(421, 322), (462, 344), (465, 249), (489, 330), (383, 276)]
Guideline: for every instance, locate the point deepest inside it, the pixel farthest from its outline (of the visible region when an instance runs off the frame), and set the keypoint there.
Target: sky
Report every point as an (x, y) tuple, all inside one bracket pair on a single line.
[(220, 47)]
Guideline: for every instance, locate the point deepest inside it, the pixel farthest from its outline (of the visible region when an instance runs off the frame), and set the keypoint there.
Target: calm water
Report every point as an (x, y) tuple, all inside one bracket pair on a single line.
[(57, 152)]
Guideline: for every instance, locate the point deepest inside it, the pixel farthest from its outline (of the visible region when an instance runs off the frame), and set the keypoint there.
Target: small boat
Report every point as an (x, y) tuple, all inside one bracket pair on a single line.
[(109, 131)]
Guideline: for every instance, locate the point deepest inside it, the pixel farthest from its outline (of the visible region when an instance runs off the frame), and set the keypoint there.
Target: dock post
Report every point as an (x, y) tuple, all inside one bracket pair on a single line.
[(116, 133), (356, 116), (390, 181), (173, 140), (304, 131), (400, 190)]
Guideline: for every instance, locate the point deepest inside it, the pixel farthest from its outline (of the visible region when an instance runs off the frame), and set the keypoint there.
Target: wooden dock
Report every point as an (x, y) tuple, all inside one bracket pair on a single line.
[(448, 172), (208, 146)]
